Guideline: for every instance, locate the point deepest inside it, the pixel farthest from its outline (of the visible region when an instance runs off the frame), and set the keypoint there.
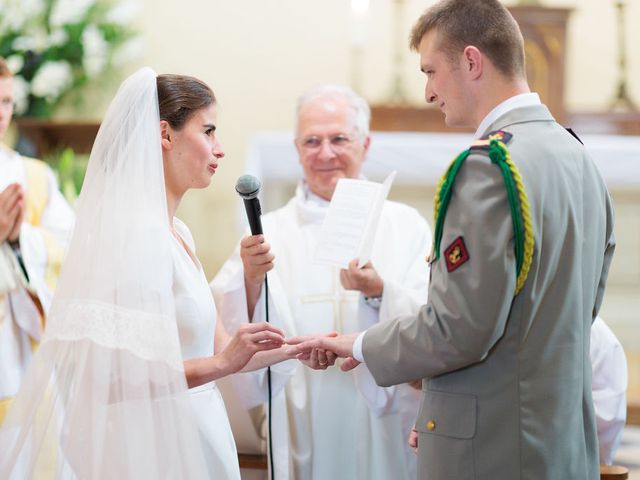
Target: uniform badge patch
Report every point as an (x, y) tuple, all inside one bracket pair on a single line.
[(500, 135), (456, 254)]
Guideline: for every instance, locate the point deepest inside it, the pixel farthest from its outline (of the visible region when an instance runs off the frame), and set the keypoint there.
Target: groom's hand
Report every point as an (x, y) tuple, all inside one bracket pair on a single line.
[(315, 358), (341, 346)]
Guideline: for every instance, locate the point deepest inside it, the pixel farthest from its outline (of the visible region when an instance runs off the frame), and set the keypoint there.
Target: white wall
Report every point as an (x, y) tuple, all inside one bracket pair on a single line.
[(259, 55)]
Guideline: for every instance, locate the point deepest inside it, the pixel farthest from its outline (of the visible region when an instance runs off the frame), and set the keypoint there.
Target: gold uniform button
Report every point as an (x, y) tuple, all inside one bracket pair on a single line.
[(431, 425)]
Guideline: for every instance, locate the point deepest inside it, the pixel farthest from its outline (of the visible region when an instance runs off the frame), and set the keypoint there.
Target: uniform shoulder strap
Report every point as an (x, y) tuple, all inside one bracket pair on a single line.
[(494, 144)]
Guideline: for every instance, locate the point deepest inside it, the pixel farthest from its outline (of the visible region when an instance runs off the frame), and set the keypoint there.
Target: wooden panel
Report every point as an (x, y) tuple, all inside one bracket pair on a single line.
[(405, 118), (253, 462), (613, 472), (610, 123), (545, 37), (48, 136), (395, 118), (633, 412)]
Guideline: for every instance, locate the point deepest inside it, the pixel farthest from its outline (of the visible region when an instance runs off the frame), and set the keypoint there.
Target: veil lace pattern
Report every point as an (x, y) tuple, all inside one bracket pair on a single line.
[(147, 336)]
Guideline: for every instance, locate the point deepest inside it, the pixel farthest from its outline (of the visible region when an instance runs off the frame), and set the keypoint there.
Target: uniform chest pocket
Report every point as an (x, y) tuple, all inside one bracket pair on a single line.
[(446, 427), (449, 414)]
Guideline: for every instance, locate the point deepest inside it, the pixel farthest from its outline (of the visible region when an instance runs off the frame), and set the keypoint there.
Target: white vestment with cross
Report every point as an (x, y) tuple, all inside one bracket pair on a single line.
[(330, 424)]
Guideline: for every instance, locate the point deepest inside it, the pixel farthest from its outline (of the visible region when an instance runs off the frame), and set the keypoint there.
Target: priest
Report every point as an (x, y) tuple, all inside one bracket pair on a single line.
[(326, 424), (35, 222)]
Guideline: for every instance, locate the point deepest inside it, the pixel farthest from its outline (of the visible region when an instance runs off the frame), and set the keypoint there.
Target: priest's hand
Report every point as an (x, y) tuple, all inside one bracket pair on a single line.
[(257, 258), (11, 212), (365, 279), (341, 346)]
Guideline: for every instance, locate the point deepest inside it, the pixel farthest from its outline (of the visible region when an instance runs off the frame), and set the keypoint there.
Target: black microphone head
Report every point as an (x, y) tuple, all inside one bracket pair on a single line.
[(248, 187)]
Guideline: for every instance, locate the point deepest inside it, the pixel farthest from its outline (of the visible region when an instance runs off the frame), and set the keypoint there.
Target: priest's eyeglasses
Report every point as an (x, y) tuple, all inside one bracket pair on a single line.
[(338, 142)]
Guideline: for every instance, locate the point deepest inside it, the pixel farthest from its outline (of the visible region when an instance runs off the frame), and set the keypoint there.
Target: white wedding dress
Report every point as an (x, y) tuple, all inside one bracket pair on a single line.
[(196, 317)]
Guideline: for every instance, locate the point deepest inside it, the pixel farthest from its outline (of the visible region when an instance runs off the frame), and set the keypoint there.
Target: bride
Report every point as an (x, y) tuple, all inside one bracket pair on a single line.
[(133, 323)]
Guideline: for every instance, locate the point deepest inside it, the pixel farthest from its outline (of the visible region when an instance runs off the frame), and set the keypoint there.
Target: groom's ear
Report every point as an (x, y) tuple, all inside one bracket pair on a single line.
[(165, 135)]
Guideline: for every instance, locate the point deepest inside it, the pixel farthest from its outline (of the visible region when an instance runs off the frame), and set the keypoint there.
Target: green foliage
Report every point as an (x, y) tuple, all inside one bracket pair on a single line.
[(70, 170)]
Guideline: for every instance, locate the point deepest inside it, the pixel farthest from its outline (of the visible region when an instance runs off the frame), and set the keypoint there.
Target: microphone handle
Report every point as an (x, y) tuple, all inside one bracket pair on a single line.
[(252, 206)]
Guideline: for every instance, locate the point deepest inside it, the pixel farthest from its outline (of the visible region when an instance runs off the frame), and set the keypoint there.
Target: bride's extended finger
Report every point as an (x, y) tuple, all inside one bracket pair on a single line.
[(267, 336), (267, 345), (263, 326), (297, 340), (304, 344)]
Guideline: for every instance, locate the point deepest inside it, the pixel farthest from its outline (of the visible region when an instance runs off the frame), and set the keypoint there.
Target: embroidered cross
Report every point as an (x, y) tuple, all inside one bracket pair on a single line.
[(337, 297)]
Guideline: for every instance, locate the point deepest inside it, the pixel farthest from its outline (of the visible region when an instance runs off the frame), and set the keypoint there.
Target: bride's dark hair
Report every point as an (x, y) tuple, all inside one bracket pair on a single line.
[(179, 96)]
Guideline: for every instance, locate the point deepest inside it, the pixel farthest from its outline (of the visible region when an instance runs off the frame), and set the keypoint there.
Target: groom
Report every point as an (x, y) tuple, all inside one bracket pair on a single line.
[(517, 272)]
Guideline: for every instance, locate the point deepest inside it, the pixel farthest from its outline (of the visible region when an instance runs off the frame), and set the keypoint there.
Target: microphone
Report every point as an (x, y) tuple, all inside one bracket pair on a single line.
[(248, 188)]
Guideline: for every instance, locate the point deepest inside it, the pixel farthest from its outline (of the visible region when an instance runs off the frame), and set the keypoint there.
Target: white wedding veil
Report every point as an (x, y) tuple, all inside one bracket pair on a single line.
[(106, 395)]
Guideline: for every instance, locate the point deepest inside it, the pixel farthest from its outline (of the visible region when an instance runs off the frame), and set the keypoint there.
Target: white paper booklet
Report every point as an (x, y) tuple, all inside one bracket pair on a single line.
[(351, 223)]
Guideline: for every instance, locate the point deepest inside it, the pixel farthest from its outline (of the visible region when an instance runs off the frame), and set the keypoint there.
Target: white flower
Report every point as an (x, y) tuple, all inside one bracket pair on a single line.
[(16, 12), (15, 63), (51, 80), (68, 12), (58, 38), (22, 43), (123, 13), (95, 49), (31, 8), (36, 40), (20, 94)]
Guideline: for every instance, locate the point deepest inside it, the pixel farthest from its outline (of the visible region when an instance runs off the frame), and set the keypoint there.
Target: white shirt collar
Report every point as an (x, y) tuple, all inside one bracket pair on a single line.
[(518, 101), (309, 196)]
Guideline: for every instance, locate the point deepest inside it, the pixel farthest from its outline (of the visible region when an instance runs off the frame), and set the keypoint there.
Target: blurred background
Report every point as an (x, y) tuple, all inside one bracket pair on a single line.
[(583, 57)]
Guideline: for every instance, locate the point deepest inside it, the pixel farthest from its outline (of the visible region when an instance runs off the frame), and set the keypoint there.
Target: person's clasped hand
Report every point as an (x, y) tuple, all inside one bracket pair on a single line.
[(315, 358), (11, 212), (338, 345)]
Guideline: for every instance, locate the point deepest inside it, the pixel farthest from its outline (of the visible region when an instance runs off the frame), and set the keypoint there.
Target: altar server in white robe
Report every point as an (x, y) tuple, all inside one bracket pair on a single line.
[(328, 425), (609, 388), (35, 222)]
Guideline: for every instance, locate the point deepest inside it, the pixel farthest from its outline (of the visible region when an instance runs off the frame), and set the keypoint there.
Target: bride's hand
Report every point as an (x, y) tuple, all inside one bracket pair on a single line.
[(249, 339)]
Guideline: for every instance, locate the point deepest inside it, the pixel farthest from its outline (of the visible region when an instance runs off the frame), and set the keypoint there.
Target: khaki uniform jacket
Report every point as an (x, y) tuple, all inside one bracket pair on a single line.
[(507, 389)]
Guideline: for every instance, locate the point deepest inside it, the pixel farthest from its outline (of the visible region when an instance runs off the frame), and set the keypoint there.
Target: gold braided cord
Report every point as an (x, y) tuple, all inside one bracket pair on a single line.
[(525, 210), (436, 198)]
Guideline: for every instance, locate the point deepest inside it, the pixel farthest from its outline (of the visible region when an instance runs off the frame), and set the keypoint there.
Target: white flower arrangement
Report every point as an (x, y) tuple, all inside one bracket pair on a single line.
[(54, 46)]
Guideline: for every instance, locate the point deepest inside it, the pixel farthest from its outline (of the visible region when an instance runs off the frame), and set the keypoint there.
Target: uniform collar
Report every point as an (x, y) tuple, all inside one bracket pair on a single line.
[(517, 101)]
